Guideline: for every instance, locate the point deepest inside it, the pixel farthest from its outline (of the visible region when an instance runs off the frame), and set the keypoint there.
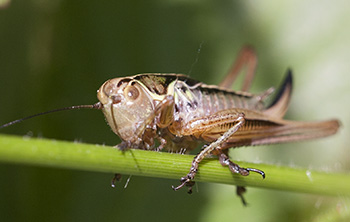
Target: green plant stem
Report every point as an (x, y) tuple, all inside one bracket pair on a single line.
[(43, 152)]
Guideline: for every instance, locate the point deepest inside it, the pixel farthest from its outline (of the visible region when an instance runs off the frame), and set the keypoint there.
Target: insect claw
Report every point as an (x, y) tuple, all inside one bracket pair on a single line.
[(182, 184), (257, 171), (185, 181), (178, 187), (235, 168)]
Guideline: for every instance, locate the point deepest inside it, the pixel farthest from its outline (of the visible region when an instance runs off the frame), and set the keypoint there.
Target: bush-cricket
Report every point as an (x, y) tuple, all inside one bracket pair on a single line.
[(181, 113)]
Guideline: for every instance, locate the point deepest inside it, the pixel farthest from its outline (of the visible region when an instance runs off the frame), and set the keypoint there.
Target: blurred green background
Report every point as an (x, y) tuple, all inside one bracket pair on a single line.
[(58, 53)]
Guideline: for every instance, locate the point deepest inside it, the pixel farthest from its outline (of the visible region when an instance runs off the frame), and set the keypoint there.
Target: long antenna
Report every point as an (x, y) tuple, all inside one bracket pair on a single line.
[(95, 106)]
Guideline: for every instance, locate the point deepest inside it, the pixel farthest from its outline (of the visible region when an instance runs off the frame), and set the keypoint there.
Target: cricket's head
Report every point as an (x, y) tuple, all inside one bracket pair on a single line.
[(127, 107)]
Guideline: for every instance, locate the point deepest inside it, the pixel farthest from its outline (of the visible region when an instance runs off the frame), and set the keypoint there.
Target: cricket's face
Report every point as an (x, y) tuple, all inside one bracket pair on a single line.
[(127, 108)]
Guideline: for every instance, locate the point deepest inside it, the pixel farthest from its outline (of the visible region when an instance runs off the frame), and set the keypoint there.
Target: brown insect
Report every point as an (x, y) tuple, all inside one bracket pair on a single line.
[(182, 113)]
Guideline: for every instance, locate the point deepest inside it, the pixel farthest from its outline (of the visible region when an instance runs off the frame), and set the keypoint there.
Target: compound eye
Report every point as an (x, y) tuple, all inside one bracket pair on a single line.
[(132, 92)]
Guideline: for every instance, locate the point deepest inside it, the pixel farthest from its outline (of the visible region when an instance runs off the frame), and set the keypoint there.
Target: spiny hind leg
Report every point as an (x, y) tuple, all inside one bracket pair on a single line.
[(206, 150)]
